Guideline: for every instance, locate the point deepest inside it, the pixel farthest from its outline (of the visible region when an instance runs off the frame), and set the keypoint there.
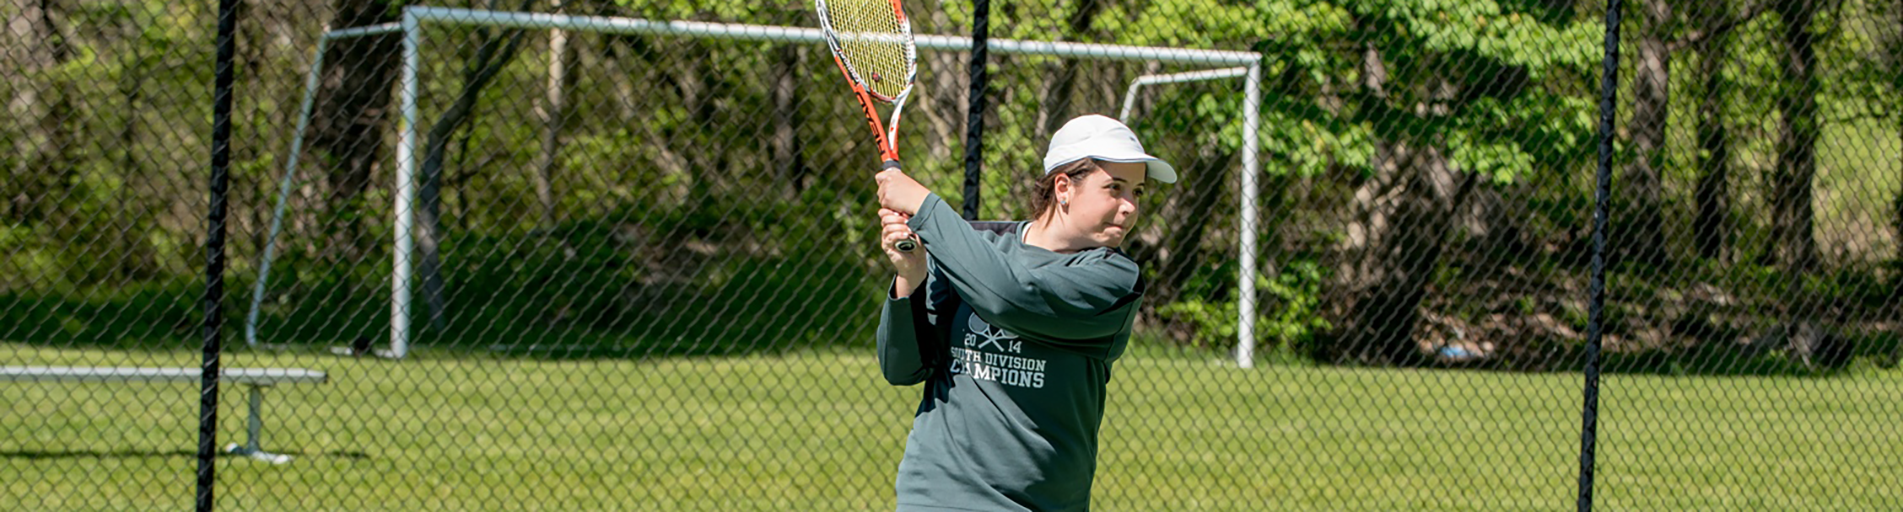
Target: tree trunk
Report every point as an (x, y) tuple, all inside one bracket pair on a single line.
[(1711, 227), (1380, 327), (1182, 250), (1056, 106), (1372, 198), (1794, 216), (1895, 45), (1792, 226), (489, 59), (1405, 214), (697, 88), (614, 58), (42, 109), (1643, 240), (940, 97), (348, 119), (788, 162), (132, 92), (140, 260), (552, 110), (1896, 211)]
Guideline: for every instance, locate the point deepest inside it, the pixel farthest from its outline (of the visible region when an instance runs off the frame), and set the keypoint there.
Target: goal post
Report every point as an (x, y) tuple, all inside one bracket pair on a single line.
[(408, 143), (289, 181), (1245, 307)]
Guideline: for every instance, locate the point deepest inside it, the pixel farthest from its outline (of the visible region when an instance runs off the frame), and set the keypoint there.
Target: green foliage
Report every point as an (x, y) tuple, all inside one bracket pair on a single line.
[(603, 287), (1517, 68), (1288, 315), (1294, 308), (151, 315), (675, 136)]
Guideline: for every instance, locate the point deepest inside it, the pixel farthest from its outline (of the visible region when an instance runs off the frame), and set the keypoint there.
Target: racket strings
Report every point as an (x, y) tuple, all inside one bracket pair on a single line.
[(874, 44)]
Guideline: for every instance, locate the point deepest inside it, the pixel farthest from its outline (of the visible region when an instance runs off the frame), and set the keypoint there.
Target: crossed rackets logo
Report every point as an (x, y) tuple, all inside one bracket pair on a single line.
[(995, 336)]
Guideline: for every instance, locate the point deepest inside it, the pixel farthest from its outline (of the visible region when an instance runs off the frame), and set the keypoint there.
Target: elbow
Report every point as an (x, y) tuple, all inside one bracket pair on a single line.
[(900, 368)]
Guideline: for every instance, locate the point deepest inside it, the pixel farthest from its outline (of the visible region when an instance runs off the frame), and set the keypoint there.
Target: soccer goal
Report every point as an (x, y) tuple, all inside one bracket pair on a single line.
[(714, 130)]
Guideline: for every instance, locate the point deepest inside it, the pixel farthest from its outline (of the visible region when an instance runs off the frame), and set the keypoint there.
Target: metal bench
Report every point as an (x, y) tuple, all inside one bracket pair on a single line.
[(256, 379)]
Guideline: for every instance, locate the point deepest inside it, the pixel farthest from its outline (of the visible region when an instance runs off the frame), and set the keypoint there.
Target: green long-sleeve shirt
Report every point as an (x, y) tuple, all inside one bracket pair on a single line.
[(1014, 344)]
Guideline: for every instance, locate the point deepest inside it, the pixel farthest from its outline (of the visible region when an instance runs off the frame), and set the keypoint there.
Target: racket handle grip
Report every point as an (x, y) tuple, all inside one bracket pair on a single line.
[(909, 244)]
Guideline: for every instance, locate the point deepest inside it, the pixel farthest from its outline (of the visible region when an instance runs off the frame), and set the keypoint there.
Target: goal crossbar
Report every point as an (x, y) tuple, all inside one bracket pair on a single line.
[(448, 15)]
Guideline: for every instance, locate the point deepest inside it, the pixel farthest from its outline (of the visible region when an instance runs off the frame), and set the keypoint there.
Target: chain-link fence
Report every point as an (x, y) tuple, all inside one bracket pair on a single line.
[(640, 267)]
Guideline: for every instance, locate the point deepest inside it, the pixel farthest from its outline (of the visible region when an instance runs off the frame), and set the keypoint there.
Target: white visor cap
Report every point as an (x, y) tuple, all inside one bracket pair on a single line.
[(1102, 138)]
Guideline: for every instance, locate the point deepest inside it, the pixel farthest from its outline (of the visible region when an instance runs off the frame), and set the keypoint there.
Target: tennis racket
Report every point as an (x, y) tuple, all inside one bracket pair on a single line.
[(872, 43)]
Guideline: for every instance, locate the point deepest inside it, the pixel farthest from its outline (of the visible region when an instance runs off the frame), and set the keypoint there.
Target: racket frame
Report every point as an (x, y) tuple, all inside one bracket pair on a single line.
[(885, 133)]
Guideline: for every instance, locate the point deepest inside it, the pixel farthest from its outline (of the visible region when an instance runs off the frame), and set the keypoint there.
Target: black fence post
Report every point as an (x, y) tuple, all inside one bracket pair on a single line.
[(215, 254), (975, 107), (1608, 93)]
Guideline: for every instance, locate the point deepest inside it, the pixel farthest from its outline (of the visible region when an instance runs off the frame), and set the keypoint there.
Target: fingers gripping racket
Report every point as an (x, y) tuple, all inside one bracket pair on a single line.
[(872, 43)]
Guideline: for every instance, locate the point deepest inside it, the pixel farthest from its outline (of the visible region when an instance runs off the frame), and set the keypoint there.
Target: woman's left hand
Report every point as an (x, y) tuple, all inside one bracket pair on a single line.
[(900, 193)]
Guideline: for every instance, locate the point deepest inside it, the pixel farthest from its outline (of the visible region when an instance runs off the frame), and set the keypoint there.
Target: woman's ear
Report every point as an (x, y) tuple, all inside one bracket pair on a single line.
[(1060, 190)]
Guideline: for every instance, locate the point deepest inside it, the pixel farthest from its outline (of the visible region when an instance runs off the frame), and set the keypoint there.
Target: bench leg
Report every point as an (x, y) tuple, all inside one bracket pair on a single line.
[(254, 432)]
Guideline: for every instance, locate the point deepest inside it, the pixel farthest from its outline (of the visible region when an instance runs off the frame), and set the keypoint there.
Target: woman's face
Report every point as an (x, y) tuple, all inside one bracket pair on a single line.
[(1104, 203)]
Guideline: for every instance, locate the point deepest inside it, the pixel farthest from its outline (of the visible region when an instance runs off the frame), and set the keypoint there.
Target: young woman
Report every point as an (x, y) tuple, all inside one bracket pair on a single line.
[(1013, 331)]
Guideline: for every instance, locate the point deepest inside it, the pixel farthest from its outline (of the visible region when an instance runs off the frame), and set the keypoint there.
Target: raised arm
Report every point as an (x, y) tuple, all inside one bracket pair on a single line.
[(908, 336), (1087, 295)]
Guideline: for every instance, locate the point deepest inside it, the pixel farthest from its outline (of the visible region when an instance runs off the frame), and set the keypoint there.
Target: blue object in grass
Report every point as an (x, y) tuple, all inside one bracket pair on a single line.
[(1455, 353)]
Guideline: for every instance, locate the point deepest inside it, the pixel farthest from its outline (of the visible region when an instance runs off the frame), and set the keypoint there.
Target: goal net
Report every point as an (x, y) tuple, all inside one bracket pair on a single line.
[(586, 185)]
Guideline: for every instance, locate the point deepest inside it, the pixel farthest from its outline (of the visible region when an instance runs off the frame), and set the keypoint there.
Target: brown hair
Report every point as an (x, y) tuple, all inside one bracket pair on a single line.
[(1044, 194)]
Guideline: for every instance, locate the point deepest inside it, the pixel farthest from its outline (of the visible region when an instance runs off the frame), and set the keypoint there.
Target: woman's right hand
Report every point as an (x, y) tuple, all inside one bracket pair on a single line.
[(910, 266)]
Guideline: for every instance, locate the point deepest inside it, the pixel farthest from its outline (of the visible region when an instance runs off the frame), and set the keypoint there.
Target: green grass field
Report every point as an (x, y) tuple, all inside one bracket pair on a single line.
[(820, 431)]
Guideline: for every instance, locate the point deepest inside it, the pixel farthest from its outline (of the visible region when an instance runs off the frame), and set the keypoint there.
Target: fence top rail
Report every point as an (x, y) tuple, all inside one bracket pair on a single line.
[(257, 376), (813, 35)]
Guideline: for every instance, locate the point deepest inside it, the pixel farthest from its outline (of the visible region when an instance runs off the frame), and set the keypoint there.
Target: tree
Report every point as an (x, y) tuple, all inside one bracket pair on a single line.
[(348, 120), (1642, 184), (1712, 41), (1199, 196), (1410, 209), (789, 159), (491, 56), (1641, 187), (1793, 215), (1451, 100), (1414, 106), (1713, 195), (1890, 59), (43, 108), (1057, 102), (552, 111)]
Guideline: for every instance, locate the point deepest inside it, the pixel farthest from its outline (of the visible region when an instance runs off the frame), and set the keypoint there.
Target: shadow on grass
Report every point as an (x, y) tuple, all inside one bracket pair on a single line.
[(1849, 352), (146, 454), (1842, 351), (96, 454)]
